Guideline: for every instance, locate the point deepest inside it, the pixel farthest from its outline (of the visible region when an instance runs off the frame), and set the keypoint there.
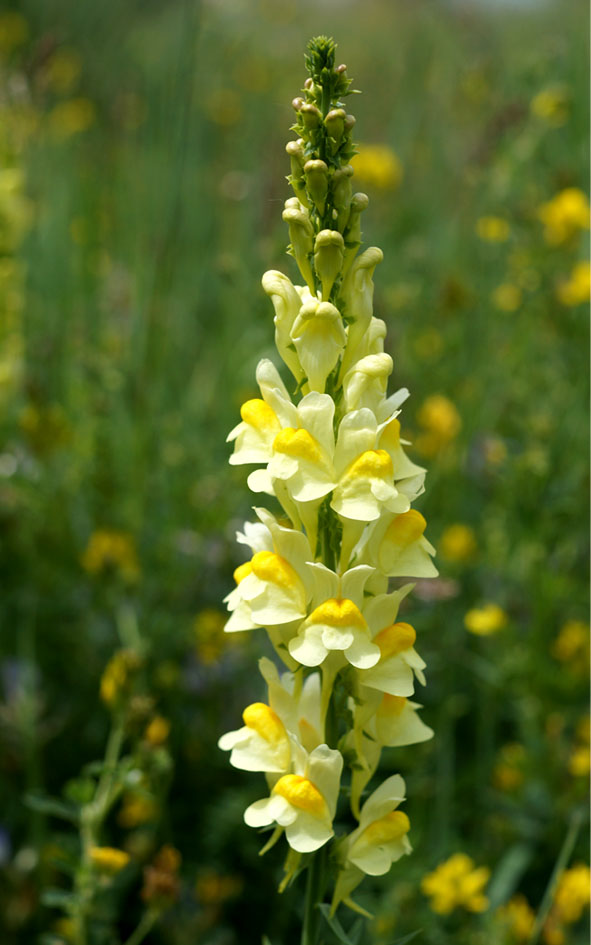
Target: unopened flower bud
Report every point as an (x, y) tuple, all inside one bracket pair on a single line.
[(359, 203), (341, 194), (317, 183), (297, 159), (349, 122), (319, 338), (311, 116), (329, 249), (297, 103), (309, 84), (335, 123), (301, 235)]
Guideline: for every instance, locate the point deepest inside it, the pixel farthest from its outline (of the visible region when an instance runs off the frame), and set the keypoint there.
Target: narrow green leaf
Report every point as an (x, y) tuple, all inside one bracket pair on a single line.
[(51, 806), (336, 927), (57, 899), (407, 938)]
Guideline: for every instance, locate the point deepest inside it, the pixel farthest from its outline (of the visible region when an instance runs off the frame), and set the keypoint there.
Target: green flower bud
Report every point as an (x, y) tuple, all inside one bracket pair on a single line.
[(317, 183), (341, 194), (335, 123), (311, 116), (359, 203), (297, 103), (301, 235), (329, 249), (297, 159), (350, 121)]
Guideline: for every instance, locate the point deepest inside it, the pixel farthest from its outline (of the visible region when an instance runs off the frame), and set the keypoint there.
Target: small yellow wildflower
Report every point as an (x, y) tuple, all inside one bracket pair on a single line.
[(441, 421), (508, 773), (14, 30), (579, 763), (493, 229), (564, 215), (576, 290), (137, 809), (518, 918), (72, 117), (378, 166), (118, 675), (457, 882), (484, 620), (157, 731), (458, 543), (551, 104), (111, 550), (62, 70), (572, 895), (572, 642), (109, 859), (507, 297)]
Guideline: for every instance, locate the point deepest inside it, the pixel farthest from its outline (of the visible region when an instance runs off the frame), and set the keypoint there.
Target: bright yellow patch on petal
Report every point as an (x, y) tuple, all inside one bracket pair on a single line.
[(395, 639), (258, 414), (392, 705), (301, 793), (386, 829), (373, 464), (338, 613), (242, 571), (391, 434), (269, 566), (485, 620), (264, 721), (297, 443), (406, 528)]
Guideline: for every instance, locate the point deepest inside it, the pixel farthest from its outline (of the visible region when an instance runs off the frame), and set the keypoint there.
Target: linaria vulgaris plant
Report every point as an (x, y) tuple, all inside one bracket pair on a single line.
[(318, 579)]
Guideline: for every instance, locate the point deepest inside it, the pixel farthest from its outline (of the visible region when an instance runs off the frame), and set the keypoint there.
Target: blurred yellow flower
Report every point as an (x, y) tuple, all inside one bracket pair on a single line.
[(157, 731), (551, 104), (508, 772), (440, 419), (109, 859), (572, 894), (213, 888), (118, 675), (457, 882), (65, 928), (458, 542), (493, 229), (111, 550), (71, 117), (484, 620), (137, 809), (378, 166), (565, 214), (572, 642), (575, 290), (14, 30), (579, 763), (62, 70), (518, 918), (211, 640), (161, 881), (494, 450), (507, 297)]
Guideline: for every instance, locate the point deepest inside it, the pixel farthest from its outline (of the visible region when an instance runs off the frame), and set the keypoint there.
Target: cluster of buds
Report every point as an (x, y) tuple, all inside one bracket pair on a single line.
[(318, 579)]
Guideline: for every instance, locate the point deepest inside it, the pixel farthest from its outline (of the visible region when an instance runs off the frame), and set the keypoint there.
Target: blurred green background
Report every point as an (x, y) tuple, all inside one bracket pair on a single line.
[(142, 180)]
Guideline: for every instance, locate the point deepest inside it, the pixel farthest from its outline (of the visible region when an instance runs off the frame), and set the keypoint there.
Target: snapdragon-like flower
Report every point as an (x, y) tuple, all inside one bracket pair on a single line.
[(327, 443)]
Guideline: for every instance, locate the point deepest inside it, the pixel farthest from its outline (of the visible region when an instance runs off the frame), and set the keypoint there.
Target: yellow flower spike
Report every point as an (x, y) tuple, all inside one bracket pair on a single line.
[(485, 620)]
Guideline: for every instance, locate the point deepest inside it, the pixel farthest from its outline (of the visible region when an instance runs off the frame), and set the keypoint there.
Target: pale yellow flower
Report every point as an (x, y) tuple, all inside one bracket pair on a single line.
[(576, 290), (457, 883), (507, 297), (157, 731), (572, 895), (109, 859), (493, 229), (484, 620), (378, 166), (441, 422), (564, 215), (458, 542)]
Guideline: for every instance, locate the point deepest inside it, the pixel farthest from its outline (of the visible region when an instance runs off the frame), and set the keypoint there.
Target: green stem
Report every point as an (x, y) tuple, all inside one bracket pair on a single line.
[(146, 923), (315, 886), (563, 858)]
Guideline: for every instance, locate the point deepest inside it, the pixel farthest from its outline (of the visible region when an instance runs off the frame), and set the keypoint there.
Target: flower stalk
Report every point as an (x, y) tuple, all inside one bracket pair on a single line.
[(320, 576)]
